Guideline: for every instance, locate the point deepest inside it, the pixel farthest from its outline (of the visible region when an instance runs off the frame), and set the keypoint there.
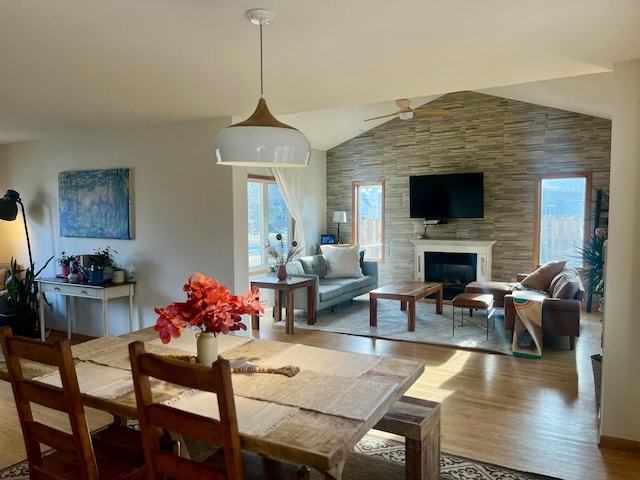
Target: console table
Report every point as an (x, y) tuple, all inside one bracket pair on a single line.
[(62, 286)]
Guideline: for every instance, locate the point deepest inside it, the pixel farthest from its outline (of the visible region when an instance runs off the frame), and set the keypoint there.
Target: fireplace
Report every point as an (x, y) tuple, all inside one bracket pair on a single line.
[(453, 270), (469, 260)]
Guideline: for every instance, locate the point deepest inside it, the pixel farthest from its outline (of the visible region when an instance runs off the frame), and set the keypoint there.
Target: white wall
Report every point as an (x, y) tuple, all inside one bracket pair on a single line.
[(188, 213), (621, 350), (315, 202)]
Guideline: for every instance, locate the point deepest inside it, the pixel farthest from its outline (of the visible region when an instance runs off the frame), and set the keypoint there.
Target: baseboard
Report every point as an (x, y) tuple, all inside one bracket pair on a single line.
[(76, 336), (619, 444)]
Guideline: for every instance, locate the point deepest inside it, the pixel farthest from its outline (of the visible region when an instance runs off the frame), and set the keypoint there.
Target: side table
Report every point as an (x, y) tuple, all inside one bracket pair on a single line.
[(287, 286)]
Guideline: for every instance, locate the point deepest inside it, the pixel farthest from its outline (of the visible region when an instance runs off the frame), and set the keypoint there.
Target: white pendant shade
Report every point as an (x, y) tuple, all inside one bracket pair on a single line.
[(261, 140), (262, 146)]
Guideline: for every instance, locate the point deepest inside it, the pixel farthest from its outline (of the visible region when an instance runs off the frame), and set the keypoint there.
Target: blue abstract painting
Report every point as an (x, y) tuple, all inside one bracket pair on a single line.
[(95, 203)]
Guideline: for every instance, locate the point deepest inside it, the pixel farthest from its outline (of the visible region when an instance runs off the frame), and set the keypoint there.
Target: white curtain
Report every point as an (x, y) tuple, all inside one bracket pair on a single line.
[(290, 183)]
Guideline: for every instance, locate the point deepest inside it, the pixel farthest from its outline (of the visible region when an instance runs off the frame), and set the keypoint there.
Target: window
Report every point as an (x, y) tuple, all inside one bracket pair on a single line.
[(561, 206), (268, 215), (368, 218)]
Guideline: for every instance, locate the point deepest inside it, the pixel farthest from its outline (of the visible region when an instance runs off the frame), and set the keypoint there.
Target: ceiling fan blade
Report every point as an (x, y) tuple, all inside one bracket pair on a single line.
[(383, 116), (403, 104), (432, 112)]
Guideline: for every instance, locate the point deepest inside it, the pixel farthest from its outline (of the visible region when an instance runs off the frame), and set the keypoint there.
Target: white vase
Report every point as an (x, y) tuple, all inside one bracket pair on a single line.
[(206, 347)]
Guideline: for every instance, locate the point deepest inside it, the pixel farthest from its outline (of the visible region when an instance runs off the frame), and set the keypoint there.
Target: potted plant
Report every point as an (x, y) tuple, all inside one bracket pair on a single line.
[(592, 255), (102, 263), (65, 262), (19, 303)]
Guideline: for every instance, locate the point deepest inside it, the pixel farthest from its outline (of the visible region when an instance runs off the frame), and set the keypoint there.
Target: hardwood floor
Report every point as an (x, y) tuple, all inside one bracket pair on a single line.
[(532, 415)]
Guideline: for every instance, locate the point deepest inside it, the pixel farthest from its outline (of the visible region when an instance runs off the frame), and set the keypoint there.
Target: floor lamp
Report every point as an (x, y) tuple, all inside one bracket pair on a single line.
[(9, 211), (340, 217)]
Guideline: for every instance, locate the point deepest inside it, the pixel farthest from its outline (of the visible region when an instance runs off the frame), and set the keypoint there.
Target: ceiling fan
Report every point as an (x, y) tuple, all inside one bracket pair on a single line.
[(407, 113)]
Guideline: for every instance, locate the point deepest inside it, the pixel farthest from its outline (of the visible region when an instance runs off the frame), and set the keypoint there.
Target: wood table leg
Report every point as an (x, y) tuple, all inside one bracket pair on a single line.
[(412, 316), (289, 314), (373, 311), (277, 306), (439, 298), (403, 305)]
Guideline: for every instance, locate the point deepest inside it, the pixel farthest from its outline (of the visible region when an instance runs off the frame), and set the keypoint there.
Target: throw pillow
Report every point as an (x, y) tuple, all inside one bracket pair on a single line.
[(541, 278), (342, 261), (315, 264), (294, 268), (3, 277), (566, 284)]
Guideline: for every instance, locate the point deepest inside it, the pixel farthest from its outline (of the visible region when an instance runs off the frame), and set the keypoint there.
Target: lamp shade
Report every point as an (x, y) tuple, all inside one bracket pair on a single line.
[(340, 216), (262, 146), (262, 141), (9, 205)]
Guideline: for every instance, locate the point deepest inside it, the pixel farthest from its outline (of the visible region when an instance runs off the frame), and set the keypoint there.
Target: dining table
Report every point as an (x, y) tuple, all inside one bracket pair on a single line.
[(312, 418)]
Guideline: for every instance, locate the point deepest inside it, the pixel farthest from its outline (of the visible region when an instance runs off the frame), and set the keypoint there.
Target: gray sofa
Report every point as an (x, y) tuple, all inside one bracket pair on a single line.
[(330, 291)]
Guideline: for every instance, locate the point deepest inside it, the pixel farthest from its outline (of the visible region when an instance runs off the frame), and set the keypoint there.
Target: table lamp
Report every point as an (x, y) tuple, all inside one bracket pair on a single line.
[(339, 216)]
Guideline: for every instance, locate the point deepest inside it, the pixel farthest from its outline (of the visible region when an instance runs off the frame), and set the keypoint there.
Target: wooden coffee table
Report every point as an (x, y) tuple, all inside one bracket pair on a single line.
[(406, 292)]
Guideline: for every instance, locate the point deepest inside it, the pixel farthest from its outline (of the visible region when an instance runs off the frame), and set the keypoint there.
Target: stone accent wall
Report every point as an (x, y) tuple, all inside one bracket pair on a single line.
[(509, 141)]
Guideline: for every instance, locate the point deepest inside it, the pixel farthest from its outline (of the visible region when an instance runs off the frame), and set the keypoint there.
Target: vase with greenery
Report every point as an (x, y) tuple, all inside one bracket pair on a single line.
[(19, 303)]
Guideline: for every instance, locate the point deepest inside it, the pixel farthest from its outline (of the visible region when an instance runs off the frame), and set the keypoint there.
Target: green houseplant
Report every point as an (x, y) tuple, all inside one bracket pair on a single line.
[(101, 265), (592, 256), (65, 262), (103, 258), (19, 303)]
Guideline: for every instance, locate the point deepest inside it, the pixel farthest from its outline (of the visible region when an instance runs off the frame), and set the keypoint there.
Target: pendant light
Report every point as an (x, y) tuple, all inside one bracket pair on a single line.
[(261, 140)]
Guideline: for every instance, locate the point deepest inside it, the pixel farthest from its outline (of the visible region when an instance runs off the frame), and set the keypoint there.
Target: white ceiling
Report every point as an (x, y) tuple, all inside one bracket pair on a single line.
[(69, 66)]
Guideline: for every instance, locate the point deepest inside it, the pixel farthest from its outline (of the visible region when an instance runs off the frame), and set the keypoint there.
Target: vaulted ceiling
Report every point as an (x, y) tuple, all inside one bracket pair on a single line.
[(70, 66)]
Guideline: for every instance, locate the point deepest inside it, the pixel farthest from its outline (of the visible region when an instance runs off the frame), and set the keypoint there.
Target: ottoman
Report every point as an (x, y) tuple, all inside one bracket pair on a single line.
[(497, 289), (473, 301)]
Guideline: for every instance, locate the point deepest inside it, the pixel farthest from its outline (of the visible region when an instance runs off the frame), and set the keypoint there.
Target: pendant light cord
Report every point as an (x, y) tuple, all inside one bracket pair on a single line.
[(261, 67)]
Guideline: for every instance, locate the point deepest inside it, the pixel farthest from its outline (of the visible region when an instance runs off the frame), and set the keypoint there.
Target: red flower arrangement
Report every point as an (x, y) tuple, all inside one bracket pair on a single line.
[(210, 307)]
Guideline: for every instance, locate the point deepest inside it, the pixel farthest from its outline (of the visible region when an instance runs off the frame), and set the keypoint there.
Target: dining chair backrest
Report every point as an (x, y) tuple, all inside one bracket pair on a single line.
[(66, 399), (155, 416), (74, 455)]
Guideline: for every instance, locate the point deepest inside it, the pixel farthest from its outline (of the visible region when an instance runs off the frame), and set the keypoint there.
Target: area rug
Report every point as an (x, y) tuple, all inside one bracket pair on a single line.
[(353, 318), (378, 458)]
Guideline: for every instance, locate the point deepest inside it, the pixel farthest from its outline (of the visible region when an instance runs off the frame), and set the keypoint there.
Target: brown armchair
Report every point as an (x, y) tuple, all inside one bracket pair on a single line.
[(561, 306)]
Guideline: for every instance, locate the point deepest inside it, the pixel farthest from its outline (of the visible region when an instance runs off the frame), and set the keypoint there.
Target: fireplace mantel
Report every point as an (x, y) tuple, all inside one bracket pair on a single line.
[(482, 248)]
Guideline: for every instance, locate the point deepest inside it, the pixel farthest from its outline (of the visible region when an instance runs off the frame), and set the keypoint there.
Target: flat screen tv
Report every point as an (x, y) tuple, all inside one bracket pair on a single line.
[(454, 195)]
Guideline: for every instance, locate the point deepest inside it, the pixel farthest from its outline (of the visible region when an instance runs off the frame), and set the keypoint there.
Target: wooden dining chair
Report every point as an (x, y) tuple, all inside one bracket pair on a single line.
[(227, 460), (114, 452)]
